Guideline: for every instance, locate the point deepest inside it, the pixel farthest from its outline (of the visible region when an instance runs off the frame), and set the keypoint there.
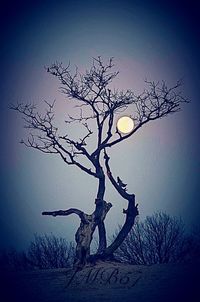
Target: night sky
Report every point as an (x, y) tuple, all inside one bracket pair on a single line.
[(160, 163)]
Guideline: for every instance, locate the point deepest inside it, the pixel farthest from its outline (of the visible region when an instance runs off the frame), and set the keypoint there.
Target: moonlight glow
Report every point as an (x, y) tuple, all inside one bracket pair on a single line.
[(125, 124)]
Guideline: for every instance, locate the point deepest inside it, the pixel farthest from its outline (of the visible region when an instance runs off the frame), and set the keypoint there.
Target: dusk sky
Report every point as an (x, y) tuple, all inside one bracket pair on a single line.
[(160, 163)]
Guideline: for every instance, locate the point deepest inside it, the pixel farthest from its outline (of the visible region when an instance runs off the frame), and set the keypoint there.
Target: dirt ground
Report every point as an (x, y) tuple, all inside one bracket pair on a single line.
[(105, 282)]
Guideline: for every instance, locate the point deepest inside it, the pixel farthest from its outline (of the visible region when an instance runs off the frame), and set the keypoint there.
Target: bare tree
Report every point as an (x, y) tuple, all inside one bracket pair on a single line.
[(92, 94), (49, 251), (159, 239), (44, 252)]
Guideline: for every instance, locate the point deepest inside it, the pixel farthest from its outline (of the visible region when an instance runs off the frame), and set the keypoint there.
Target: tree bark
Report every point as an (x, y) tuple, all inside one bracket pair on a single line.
[(86, 229)]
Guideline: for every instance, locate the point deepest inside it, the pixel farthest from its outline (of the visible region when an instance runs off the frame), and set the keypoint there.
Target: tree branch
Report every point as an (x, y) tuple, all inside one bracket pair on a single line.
[(119, 189), (49, 140), (156, 102), (78, 212)]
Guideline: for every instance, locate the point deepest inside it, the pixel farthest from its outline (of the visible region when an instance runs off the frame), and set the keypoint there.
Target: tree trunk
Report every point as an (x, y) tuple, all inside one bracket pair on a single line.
[(86, 229), (131, 214), (89, 223), (85, 232), (100, 195), (83, 239)]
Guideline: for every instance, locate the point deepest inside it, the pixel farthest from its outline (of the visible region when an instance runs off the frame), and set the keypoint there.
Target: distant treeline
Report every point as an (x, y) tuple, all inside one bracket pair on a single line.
[(160, 238)]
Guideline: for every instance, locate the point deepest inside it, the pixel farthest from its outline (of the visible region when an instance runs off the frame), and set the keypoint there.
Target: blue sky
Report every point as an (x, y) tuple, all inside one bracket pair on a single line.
[(160, 163)]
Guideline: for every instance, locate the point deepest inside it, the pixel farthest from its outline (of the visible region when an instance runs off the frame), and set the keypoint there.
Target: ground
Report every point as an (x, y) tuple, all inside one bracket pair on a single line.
[(105, 282)]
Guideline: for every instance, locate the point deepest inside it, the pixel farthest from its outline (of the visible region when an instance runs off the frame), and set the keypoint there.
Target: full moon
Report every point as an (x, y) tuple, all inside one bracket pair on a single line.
[(125, 124)]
